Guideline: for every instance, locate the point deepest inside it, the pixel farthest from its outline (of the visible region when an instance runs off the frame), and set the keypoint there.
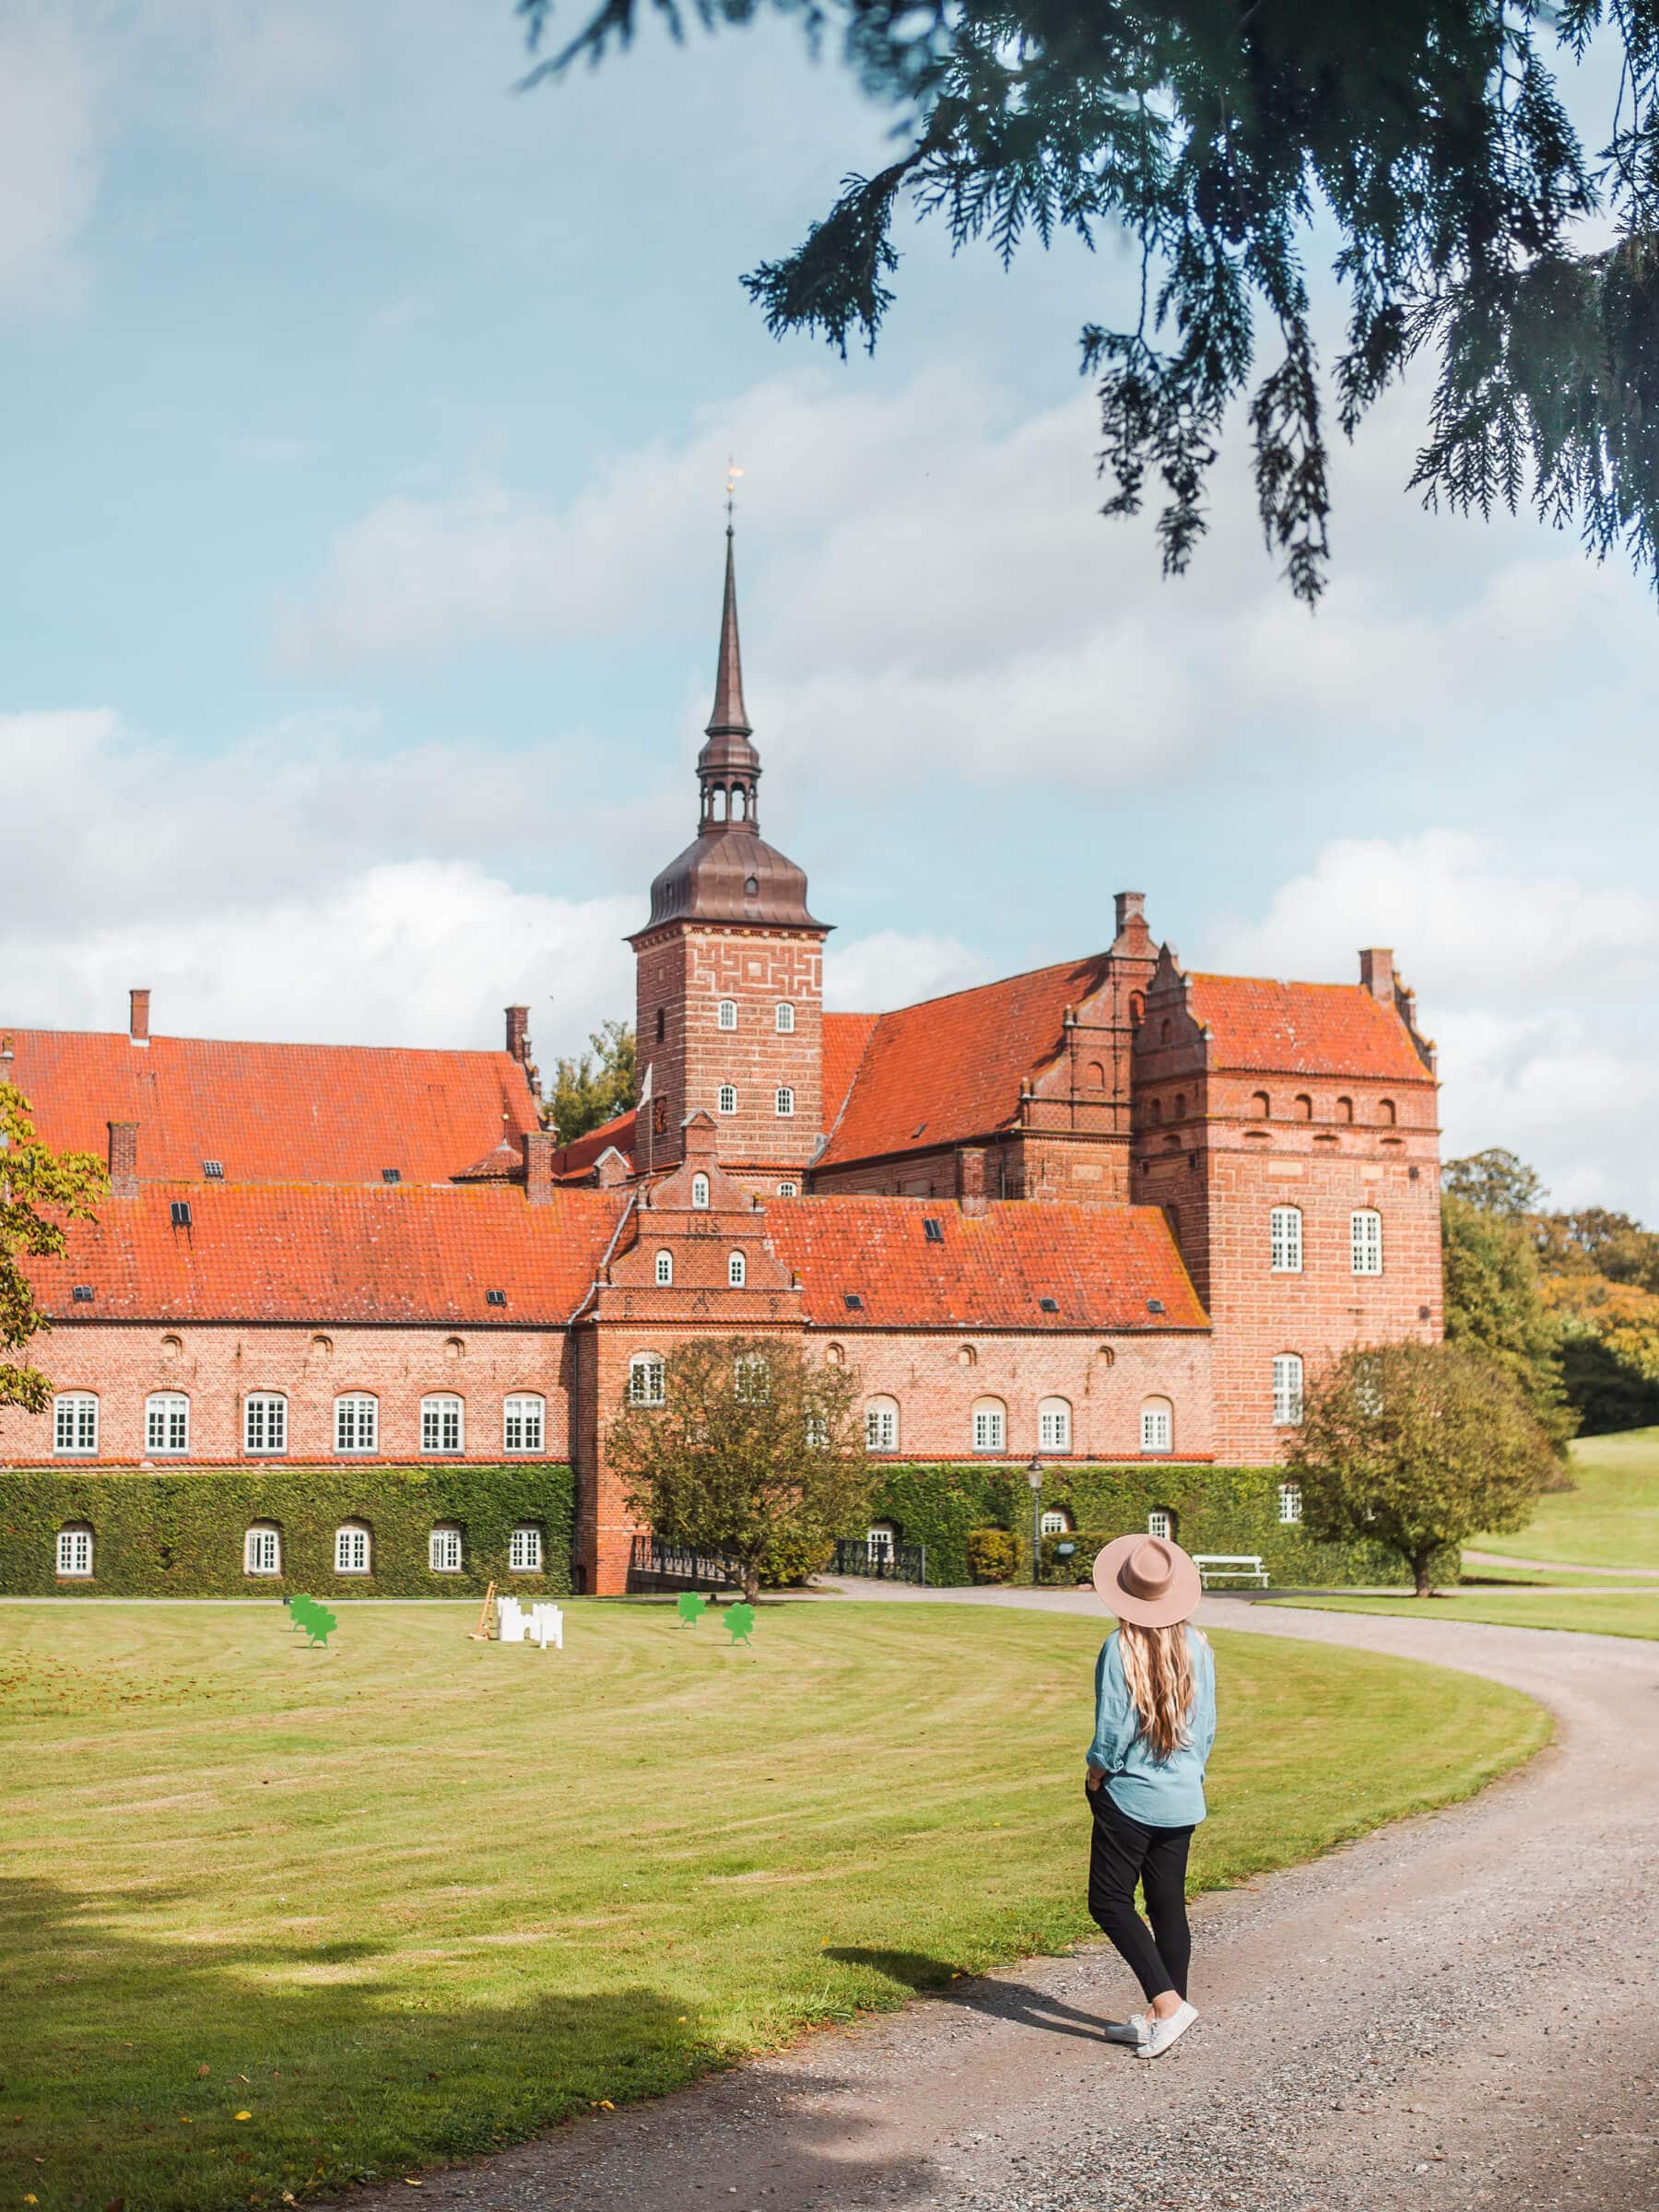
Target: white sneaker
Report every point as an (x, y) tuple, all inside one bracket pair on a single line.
[(1132, 2030), (1165, 2033)]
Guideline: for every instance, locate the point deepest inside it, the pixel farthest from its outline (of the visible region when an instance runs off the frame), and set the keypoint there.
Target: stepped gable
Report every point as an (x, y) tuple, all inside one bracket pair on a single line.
[(949, 1069), (579, 1156), (326, 1114), (1260, 1027), (846, 1036), (1101, 1264), (309, 1252)]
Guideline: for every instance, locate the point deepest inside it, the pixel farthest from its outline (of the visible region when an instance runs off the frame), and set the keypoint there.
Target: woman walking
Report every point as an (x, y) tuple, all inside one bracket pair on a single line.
[(1155, 1721)]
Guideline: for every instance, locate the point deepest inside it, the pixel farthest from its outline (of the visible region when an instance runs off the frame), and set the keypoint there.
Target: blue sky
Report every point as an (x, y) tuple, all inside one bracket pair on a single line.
[(367, 430)]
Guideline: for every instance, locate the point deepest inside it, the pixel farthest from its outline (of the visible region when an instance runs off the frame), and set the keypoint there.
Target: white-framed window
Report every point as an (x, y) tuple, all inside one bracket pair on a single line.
[(817, 1432), (752, 1379), (785, 1017), (725, 1098), (75, 1549), (728, 1014), (1285, 1240), (1160, 1522), (789, 1190), (1055, 1522), (1286, 1390), (262, 1548), (75, 1421), (442, 1423), (1365, 1239), (353, 1548), (881, 1425), (264, 1421), (647, 1379), (664, 1269), (736, 1270), (166, 1422), (1053, 1425), (1289, 1501), (524, 1421), (989, 1425), (880, 1541), (786, 1100), (700, 1192), (1368, 1386), (443, 1549), (524, 1549), (357, 1421), (1157, 1425)]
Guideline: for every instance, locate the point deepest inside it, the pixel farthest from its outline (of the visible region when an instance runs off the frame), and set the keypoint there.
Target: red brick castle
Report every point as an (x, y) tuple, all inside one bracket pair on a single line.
[(1106, 1210)]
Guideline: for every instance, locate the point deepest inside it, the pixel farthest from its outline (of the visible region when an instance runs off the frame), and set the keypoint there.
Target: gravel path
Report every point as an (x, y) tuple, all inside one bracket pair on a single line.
[(1504, 1559), (1459, 2013)]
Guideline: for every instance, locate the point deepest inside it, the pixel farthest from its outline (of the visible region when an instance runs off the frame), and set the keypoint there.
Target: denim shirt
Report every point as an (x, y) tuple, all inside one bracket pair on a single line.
[(1158, 1793)]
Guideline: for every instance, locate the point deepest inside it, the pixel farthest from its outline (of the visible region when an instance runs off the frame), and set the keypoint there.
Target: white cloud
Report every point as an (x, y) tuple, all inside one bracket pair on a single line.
[(894, 968), (49, 151)]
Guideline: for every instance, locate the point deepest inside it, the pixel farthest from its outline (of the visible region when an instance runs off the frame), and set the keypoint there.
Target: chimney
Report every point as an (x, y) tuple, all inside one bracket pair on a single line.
[(1376, 973), (539, 1146), (973, 1177), (610, 1168), (124, 1158), (518, 1024), (1130, 907), (138, 1017)]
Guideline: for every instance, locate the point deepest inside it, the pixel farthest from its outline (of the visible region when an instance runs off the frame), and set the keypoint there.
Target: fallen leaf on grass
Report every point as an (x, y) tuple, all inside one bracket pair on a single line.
[(203, 2071), (244, 2115)]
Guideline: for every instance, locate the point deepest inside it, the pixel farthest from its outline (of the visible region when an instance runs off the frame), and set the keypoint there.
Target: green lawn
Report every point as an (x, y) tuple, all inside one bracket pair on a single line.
[(280, 1917), (1609, 1519), (1614, 1612)]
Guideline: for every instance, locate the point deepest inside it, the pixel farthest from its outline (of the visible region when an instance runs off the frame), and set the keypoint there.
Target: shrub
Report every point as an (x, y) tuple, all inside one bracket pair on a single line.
[(993, 1554)]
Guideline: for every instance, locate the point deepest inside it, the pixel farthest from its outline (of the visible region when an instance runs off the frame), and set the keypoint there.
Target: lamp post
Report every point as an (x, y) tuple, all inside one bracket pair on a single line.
[(1034, 1477)]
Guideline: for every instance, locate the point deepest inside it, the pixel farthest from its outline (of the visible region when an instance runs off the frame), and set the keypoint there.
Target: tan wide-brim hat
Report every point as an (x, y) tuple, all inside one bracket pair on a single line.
[(1148, 1581)]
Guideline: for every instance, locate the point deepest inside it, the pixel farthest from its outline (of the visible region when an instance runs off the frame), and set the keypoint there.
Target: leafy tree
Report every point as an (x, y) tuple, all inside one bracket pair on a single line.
[(756, 1453), (593, 1090), (40, 1190), (1416, 1446), (1495, 1304), (1496, 1181), (1430, 136)]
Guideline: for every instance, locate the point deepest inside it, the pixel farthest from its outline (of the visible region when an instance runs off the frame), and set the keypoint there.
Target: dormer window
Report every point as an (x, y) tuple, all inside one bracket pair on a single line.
[(785, 1017), (664, 1269), (728, 1013), (700, 1192), (736, 1271), (214, 1171)]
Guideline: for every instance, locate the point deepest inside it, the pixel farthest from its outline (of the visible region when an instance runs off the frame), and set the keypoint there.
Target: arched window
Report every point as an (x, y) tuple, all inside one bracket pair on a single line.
[(1053, 1425), (75, 1548), (166, 1422), (664, 1269), (1285, 1240), (1385, 1112), (834, 1355), (1094, 1077), (441, 1424), (728, 1013), (523, 1422), (1289, 1501), (725, 1098), (262, 1548), (785, 1101), (75, 1422), (443, 1549), (789, 1190), (1345, 1110), (881, 1425), (1161, 1523), (1055, 1522), (264, 1421), (736, 1270), (1164, 1033), (1261, 1105), (1365, 1238), (1181, 1105), (1287, 1391), (1157, 1424), (785, 1017), (700, 1192), (966, 1356), (989, 1425), (524, 1551), (354, 1547), (357, 1422), (1137, 1009), (1305, 1107), (880, 1541), (1158, 1110), (647, 1379)]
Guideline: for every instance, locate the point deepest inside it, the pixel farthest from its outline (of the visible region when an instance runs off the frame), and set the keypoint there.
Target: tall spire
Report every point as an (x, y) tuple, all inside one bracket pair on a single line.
[(728, 766), (729, 718)]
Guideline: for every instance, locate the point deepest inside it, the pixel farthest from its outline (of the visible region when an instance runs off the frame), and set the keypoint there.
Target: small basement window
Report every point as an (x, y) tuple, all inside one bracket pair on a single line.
[(390, 1175), (214, 1170), (495, 1298), (180, 1213), (933, 1230)]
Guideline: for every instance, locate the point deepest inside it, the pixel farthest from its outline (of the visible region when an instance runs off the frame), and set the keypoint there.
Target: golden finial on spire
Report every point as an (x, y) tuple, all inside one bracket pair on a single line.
[(732, 473)]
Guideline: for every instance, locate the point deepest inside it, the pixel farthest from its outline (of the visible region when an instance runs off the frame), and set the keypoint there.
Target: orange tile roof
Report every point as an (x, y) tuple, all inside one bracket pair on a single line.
[(949, 1069), (1303, 1028), (845, 1037), (310, 1252), (579, 1155), (1100, 1265), (271, 1113)]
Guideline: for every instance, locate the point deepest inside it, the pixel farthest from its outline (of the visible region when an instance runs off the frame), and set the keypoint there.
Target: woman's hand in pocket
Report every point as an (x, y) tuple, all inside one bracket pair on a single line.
[(1092, 1777)]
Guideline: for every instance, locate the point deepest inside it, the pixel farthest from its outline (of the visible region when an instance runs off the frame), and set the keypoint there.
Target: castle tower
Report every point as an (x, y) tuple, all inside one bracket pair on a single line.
[(729, 968)]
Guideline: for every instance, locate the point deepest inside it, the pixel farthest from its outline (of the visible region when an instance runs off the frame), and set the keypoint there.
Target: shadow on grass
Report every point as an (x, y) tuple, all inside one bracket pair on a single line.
[(129, 2056), (996, 2000)]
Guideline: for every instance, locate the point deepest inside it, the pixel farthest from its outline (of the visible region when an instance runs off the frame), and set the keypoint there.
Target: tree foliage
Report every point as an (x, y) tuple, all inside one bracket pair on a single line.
[(593, 1090), (756, 1453), (40, 1190), (1496, 1305), (1418, 1446), (1221, 136), (1496, 1181)]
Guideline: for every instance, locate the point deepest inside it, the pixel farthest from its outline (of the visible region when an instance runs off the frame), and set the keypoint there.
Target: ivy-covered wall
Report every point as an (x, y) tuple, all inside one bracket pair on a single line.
[(179, 1534), (1215, 1509)]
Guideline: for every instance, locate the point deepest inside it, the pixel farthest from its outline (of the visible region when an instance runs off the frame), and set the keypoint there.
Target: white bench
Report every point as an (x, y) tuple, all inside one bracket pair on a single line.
[(543, 1625), (1231, 1566)]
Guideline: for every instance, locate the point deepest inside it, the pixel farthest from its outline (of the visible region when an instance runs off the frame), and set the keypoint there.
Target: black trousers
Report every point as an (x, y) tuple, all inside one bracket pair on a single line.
[(1122, 1853)]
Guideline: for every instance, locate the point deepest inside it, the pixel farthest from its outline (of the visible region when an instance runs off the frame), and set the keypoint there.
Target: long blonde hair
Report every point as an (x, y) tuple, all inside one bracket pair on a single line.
[(1158, 1667)]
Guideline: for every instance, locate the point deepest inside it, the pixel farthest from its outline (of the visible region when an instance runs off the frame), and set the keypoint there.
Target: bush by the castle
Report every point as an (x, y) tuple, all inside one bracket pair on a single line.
[(993, 1554)]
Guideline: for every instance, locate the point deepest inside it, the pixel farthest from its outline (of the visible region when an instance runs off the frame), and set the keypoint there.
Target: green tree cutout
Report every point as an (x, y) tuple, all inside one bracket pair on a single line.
[(691, 1606), (740, 1621), (40, 1190), (317, 1623)]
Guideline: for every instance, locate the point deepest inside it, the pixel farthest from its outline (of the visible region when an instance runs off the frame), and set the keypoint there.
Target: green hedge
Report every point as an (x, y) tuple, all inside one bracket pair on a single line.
[(1216, 1509), (180, 1534)]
